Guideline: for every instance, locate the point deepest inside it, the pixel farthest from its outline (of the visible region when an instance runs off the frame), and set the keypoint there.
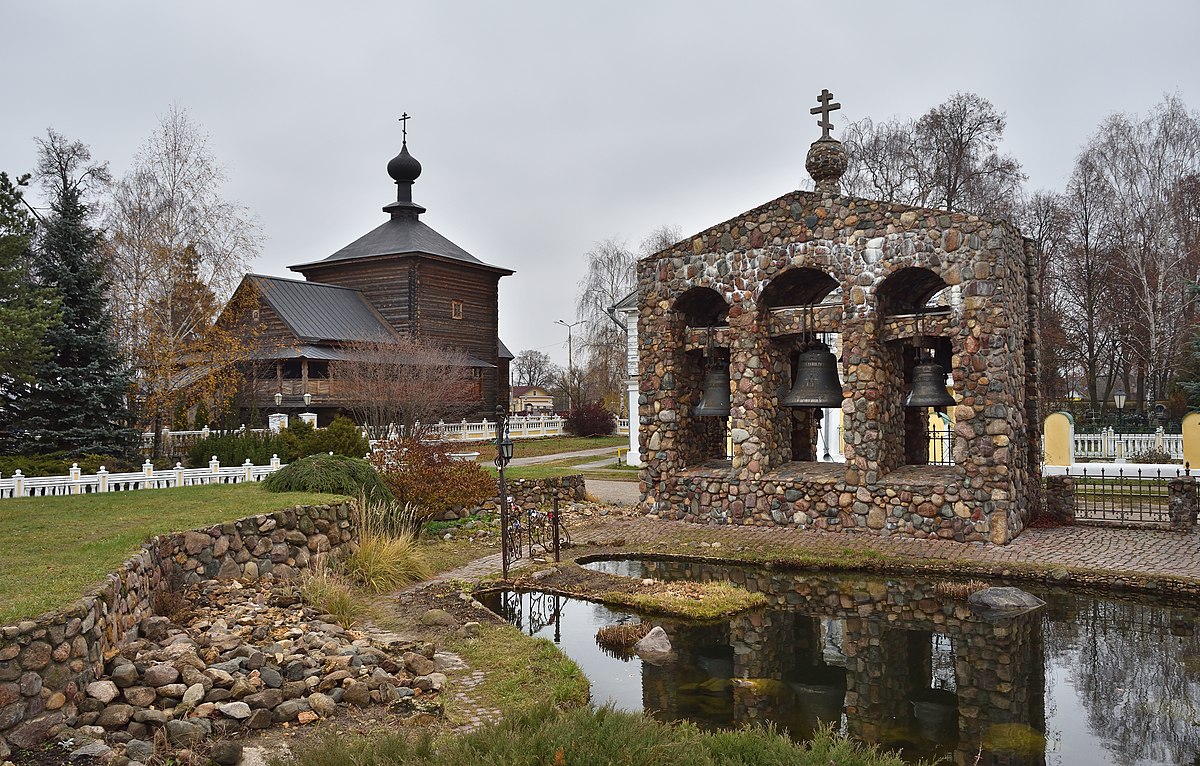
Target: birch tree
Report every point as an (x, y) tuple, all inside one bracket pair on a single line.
[(1142, 164), (177, 248)]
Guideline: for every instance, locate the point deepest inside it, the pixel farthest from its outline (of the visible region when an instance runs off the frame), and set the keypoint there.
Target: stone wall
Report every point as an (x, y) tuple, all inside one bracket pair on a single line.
[(47, 662), (878, 255), (528, 493), (1059, 498)]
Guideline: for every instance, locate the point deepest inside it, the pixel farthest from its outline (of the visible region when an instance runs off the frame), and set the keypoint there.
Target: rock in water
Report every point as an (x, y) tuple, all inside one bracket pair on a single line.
[(1004, 600), (654, 646)]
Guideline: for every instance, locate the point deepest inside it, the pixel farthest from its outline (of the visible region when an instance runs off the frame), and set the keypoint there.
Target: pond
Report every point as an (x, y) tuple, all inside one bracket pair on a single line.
[(903, 663)]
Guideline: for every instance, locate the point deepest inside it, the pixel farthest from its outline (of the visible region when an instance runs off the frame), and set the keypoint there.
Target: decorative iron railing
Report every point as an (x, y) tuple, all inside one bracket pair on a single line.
[(1130, 495)]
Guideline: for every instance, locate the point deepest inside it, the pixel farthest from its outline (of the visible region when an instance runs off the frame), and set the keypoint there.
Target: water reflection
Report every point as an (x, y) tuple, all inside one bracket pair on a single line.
[(1087, 680)]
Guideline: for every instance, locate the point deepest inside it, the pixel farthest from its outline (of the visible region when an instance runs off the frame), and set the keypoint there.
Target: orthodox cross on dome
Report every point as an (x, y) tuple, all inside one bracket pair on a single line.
[(824, 109), (404, 118)]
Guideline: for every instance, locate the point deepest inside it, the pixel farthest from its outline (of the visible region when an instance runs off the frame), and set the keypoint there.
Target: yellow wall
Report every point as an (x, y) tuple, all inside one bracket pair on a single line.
[(1059, 437), (1191, 439)]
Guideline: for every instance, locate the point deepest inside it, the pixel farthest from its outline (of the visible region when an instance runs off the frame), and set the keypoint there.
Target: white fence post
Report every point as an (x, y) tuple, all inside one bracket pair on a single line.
[(19, 478), (102, 475), (249, 467), (274, 463), (148, 468), (214, 465), (179, 474), (74, 478)]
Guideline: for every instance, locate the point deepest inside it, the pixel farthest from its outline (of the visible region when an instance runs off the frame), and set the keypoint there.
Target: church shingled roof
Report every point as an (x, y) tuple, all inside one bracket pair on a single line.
[(316, 311), (402, 236)]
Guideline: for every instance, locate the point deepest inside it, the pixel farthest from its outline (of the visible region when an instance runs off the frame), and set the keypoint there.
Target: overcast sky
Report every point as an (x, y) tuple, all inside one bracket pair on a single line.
[(544, 127)]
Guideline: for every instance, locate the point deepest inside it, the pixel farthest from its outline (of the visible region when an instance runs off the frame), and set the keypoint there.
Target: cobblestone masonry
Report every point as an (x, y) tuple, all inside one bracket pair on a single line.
[(739, 289), (50, 660), (528, 493)]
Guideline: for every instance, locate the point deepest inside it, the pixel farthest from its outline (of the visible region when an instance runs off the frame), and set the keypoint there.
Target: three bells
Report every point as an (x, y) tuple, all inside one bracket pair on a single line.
[(817, 383)]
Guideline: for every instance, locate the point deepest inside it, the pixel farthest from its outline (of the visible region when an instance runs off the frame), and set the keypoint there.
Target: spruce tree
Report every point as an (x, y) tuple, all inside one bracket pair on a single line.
[(25, 311), (78, 400)]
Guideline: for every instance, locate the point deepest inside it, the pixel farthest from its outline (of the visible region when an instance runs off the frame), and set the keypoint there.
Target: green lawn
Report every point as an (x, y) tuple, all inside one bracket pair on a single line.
[(548, 446), (52, 549)]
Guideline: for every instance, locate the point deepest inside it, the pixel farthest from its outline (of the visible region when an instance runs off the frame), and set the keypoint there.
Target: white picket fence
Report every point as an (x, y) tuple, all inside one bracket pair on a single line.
[(148, 478), (1109, 445), (519, 427)]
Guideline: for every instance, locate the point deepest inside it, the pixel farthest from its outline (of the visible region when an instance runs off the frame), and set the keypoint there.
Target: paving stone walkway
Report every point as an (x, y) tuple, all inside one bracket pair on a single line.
[(1142, 553)]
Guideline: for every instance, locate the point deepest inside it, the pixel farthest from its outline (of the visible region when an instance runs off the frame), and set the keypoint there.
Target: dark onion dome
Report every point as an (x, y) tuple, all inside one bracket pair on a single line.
[(404, 167)]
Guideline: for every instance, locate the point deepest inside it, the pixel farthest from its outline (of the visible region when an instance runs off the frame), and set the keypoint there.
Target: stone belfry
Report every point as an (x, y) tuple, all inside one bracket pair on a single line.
[(944, 300)]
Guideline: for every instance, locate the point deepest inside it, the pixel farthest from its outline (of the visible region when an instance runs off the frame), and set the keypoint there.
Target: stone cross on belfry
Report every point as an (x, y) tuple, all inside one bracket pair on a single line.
[(404, 118), (824, 109)]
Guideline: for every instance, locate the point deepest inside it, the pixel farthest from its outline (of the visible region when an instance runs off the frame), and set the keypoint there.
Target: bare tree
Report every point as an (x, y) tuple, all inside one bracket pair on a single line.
[(958, 140), (610, 277), (534, 368), (1083, 279), (1142, 164), (400, 382), (176, 250), (1043, 218), (949, 158), (883, 165)]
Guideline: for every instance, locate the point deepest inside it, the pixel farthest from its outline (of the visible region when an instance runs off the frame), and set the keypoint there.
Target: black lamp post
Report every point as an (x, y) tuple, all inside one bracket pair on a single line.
[(1119, 399), (504, 453)]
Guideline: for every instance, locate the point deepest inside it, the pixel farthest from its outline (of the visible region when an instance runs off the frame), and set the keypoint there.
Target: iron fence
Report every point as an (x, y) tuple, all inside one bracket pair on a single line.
[(1127, 495), (941, 443)]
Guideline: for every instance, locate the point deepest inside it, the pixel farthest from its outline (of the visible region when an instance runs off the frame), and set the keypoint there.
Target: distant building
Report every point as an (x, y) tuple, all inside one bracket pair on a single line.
[(531, 400), (400, 278)]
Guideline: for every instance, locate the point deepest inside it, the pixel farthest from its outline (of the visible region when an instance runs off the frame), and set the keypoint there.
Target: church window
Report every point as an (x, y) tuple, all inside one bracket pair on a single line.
[(456, 309)]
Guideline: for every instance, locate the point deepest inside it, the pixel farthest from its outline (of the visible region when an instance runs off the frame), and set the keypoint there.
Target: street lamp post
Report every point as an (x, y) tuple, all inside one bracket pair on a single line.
[(570, 358), (504, 453), (1119, 399)]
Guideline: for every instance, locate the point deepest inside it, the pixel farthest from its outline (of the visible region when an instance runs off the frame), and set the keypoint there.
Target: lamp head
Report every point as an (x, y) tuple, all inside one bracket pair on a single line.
[(278, 399)]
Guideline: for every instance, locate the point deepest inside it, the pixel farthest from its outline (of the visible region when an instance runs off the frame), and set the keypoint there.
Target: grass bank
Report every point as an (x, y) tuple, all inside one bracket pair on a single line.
[(585, 736), (52, 549), (522, 673), (551, 445)]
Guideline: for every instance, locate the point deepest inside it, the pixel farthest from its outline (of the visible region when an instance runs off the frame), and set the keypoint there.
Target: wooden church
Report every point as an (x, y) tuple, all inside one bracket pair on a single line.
[(401, 278)]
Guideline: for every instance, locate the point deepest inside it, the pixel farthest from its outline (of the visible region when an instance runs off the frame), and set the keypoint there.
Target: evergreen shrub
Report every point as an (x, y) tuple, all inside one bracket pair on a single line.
[(334, 474), (237, 448)]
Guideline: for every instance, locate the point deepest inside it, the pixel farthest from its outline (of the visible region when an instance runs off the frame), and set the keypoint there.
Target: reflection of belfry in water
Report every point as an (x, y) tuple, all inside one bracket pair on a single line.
[(899, 668)]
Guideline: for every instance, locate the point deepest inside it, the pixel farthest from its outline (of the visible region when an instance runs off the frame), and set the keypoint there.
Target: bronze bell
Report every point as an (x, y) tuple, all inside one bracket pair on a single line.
[(714, 403), (817, 383), (929, 387)]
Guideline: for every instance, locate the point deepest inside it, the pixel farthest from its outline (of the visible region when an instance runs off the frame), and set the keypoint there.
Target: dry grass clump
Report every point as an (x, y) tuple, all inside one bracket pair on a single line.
[(618, 640), (330, 593), (388, 555), (959, 589)]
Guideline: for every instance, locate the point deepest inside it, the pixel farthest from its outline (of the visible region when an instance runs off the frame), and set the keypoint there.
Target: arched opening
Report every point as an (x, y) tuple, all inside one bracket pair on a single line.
[(909, 291), (702, 307), (811, 433), (797, 287)]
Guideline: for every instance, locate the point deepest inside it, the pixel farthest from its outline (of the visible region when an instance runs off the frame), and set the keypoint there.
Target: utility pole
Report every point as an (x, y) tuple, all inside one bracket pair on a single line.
[(570, 359)]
